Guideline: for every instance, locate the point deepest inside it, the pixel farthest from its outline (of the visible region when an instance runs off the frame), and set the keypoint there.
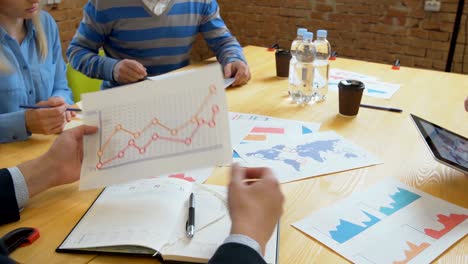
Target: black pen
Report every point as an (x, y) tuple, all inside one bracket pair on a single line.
[(396, 110), (190, 225), (46, 107)]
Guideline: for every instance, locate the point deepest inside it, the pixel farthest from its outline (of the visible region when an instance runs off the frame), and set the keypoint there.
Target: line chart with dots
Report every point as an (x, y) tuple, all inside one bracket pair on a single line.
[(156, 127)]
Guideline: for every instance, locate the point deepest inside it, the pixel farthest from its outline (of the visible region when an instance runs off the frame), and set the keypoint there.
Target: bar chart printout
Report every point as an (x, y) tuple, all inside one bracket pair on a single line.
[(388, 223), (165, 126)]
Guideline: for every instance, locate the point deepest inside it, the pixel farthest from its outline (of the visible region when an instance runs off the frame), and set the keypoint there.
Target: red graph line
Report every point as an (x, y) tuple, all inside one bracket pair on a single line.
[(156, 137)]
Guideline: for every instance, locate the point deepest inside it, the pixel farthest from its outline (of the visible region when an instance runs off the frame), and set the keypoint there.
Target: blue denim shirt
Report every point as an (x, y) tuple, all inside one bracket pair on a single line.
[(32, 79)]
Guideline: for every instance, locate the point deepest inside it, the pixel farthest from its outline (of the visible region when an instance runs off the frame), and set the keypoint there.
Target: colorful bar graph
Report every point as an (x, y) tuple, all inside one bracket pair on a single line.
[(182, 177), (449, 222), (347, 230), (401, 199), (269, 130), (412, 252), (253, 137)]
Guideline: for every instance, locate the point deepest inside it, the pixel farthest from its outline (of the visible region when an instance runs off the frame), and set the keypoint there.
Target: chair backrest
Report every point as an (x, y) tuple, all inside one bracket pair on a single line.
[(80, 83)]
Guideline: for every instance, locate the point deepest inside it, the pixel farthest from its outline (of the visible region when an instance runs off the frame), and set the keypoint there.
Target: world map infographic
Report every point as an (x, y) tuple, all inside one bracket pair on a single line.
[(311, 155)]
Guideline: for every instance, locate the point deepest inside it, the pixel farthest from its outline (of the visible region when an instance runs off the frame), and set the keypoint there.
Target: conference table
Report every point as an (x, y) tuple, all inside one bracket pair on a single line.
[(432, 95)]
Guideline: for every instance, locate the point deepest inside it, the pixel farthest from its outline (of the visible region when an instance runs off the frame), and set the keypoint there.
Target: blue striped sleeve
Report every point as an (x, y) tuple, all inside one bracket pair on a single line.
[(218, 37), (83, 50)]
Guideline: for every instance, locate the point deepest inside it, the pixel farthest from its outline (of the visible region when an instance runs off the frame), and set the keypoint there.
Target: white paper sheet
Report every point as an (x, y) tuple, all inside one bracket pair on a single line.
[(227, 82), (150, 128), (374, 87), (197, 176), (389, 223), (312, 155), (267, 128), (251, 128)]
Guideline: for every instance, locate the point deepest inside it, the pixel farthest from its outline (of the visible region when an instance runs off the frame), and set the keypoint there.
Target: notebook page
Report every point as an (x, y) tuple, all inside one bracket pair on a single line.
[(212, 227), (140, 213)]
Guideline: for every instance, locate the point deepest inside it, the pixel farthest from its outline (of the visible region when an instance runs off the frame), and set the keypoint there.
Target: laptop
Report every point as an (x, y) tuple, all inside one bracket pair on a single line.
[(447, 147)]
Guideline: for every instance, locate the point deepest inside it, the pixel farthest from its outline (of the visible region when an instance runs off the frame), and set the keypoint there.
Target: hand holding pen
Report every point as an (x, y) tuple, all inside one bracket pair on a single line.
[(48, 120)]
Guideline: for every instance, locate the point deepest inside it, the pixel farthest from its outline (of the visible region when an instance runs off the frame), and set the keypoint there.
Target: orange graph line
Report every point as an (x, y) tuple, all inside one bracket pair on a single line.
[(155, 136)]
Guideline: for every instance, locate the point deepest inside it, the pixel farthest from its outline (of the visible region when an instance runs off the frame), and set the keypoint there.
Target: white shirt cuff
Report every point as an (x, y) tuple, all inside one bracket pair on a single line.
[(21, 188), (244, 240)]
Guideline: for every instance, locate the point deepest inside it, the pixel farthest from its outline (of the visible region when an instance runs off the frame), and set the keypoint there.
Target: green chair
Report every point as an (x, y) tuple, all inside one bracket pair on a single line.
[(80, 83)]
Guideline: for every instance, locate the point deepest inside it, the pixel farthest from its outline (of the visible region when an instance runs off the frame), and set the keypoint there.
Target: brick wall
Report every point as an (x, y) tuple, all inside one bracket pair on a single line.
[(379, 31), (68, 15)]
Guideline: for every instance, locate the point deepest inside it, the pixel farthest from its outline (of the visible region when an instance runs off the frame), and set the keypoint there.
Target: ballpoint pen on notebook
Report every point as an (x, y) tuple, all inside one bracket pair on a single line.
[(46, 107), (190, 225)]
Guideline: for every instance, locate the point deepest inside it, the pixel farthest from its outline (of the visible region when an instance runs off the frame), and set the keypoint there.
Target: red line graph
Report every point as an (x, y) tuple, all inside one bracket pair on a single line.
[(155, 122)]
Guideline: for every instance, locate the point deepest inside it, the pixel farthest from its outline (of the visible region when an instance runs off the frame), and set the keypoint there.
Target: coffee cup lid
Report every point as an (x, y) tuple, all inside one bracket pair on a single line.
[(351, 84), (282, 52)]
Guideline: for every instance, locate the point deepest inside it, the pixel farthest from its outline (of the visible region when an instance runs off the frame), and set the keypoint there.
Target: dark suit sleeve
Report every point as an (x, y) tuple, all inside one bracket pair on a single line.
[(4, 255), (234, 253), (9, 211)]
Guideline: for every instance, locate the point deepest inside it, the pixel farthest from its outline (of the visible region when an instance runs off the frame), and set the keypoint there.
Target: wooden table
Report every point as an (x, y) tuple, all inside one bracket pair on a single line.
[(436, 96)]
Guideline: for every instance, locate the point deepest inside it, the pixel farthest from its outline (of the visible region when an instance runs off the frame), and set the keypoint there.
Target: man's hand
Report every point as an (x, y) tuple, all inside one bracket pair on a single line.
[(239, 70), (61, 164), (255, 203), (47, 121), (129, 71)]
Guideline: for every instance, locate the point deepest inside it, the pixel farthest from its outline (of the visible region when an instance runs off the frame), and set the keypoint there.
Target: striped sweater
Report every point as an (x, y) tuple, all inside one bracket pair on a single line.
[(126, 29)]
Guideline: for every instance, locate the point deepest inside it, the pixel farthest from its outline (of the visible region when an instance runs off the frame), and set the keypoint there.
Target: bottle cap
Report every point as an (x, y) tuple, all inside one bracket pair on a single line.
[(322, 33), (308, 36), (301, 31)]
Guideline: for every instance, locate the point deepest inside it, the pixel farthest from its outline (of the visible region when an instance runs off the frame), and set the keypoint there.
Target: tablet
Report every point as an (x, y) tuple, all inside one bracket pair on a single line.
[(447, 147)]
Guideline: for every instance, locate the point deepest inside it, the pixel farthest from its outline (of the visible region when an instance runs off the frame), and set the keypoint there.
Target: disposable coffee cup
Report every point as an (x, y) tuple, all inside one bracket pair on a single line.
[(282, 62), (349, 97)]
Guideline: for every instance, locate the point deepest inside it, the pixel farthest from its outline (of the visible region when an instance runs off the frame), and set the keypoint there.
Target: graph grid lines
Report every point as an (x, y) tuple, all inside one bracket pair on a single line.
[(193, 125)]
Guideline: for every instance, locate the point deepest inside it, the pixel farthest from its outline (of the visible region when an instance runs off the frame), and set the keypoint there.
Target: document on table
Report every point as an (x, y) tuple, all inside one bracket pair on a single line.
[(373, 87), (307, 156), (174, 124), (389, 223)]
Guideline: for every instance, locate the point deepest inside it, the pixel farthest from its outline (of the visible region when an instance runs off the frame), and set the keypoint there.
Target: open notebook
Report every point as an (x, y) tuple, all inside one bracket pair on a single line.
[(148, 217)]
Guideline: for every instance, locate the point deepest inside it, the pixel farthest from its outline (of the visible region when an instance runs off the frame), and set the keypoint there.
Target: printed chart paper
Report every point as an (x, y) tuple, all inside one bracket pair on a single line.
[(251, 128), (374, 87), (266, 128), (389, 223), (313, 155), (156, 127), (198, 176)]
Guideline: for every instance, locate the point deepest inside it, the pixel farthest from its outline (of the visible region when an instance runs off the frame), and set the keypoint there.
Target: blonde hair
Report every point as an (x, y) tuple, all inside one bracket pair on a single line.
[(41, 43), (41, 40)]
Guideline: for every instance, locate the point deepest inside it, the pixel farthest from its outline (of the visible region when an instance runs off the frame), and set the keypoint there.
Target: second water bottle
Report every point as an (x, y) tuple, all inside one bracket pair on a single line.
[(302, 90)]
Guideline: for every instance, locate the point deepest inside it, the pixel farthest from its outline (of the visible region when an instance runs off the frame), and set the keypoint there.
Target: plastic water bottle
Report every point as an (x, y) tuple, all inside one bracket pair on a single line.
[(304, 71), (322, 66), (293, 61)]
